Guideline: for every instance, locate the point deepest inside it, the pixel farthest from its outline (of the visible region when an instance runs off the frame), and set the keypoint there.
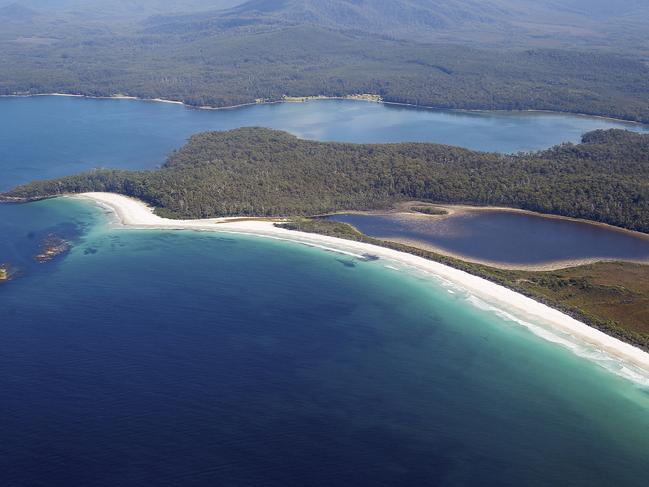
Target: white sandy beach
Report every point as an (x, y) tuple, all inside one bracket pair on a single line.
[(321, 97), (544, 321)]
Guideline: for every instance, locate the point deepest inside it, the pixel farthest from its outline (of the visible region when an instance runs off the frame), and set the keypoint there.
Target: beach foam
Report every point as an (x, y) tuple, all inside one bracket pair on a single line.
[(548, 323)]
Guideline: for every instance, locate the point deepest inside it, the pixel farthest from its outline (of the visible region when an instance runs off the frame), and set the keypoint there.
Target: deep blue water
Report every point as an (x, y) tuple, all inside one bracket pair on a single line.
[(505, 237), (195, 359), (44, 137), (180, 358)]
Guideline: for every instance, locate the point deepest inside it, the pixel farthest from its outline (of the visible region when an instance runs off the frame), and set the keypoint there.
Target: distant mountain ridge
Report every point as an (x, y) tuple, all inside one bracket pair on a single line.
[(105, 9), (578, 24), (491, 21), (398, 18)]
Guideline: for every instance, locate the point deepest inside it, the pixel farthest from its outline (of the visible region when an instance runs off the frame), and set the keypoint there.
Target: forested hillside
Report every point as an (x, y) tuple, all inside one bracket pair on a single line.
[(234, 69), (263, 50), (262, 172)]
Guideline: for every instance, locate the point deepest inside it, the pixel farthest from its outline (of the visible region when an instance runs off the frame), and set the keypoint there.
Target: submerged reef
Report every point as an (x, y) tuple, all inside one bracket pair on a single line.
[(51, 247)]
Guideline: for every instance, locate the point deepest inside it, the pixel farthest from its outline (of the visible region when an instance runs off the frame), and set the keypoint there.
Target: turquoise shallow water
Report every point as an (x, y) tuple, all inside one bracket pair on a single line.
[(44, 137), (187, 358), (195, 359)]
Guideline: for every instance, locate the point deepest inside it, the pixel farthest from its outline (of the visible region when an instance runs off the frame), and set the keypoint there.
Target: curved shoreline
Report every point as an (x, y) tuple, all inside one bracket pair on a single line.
[(347, 97), (541, 319), (401, 209), (460, 209), (541, 267)]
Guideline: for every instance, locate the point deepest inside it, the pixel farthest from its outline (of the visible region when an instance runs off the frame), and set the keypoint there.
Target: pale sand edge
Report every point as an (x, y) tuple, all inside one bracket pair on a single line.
[(400, 209), (319, 97), (136, 214), (544, 267)]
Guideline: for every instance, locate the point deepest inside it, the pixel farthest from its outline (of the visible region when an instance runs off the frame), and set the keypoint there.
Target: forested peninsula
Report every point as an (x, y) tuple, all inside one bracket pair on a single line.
[(263, 172)]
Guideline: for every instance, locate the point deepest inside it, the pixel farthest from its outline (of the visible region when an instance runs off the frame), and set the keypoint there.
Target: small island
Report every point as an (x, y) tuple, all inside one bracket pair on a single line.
[(5, 274), (429, 210)]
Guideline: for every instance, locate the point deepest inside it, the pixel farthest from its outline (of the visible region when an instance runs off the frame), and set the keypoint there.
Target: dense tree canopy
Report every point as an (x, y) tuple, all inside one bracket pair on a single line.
[(240, 67), (264, 172)]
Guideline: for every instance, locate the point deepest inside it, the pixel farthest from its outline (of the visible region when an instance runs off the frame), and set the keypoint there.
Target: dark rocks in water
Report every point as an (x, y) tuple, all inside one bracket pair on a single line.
[(347, 262), (51, 247), (363, 258), (18, 199)]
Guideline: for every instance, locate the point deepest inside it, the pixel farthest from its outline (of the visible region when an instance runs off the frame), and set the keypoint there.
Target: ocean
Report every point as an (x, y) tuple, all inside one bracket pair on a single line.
[(186, 358)]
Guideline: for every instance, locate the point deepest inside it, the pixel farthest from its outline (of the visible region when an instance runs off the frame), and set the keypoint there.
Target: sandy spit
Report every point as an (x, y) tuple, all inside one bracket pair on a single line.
[(554, 325)]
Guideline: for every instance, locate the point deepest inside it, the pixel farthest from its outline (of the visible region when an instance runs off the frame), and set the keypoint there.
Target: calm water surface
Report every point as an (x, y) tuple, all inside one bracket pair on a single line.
[(179, 358), (194, 359), (44, 137), (506, 237)]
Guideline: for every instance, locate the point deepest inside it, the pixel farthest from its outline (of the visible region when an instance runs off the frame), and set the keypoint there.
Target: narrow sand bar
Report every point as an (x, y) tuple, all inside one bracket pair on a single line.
[(549, 323)]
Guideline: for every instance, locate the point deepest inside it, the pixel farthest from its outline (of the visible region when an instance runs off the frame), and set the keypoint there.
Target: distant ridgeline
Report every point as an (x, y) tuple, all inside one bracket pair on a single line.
[(263, 172)]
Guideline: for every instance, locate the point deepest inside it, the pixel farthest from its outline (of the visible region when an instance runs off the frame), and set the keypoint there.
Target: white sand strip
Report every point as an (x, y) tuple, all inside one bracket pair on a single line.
[(540, 318)]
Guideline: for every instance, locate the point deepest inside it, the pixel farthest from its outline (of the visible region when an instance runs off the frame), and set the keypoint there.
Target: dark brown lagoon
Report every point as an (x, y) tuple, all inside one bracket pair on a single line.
[(509, 238)]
